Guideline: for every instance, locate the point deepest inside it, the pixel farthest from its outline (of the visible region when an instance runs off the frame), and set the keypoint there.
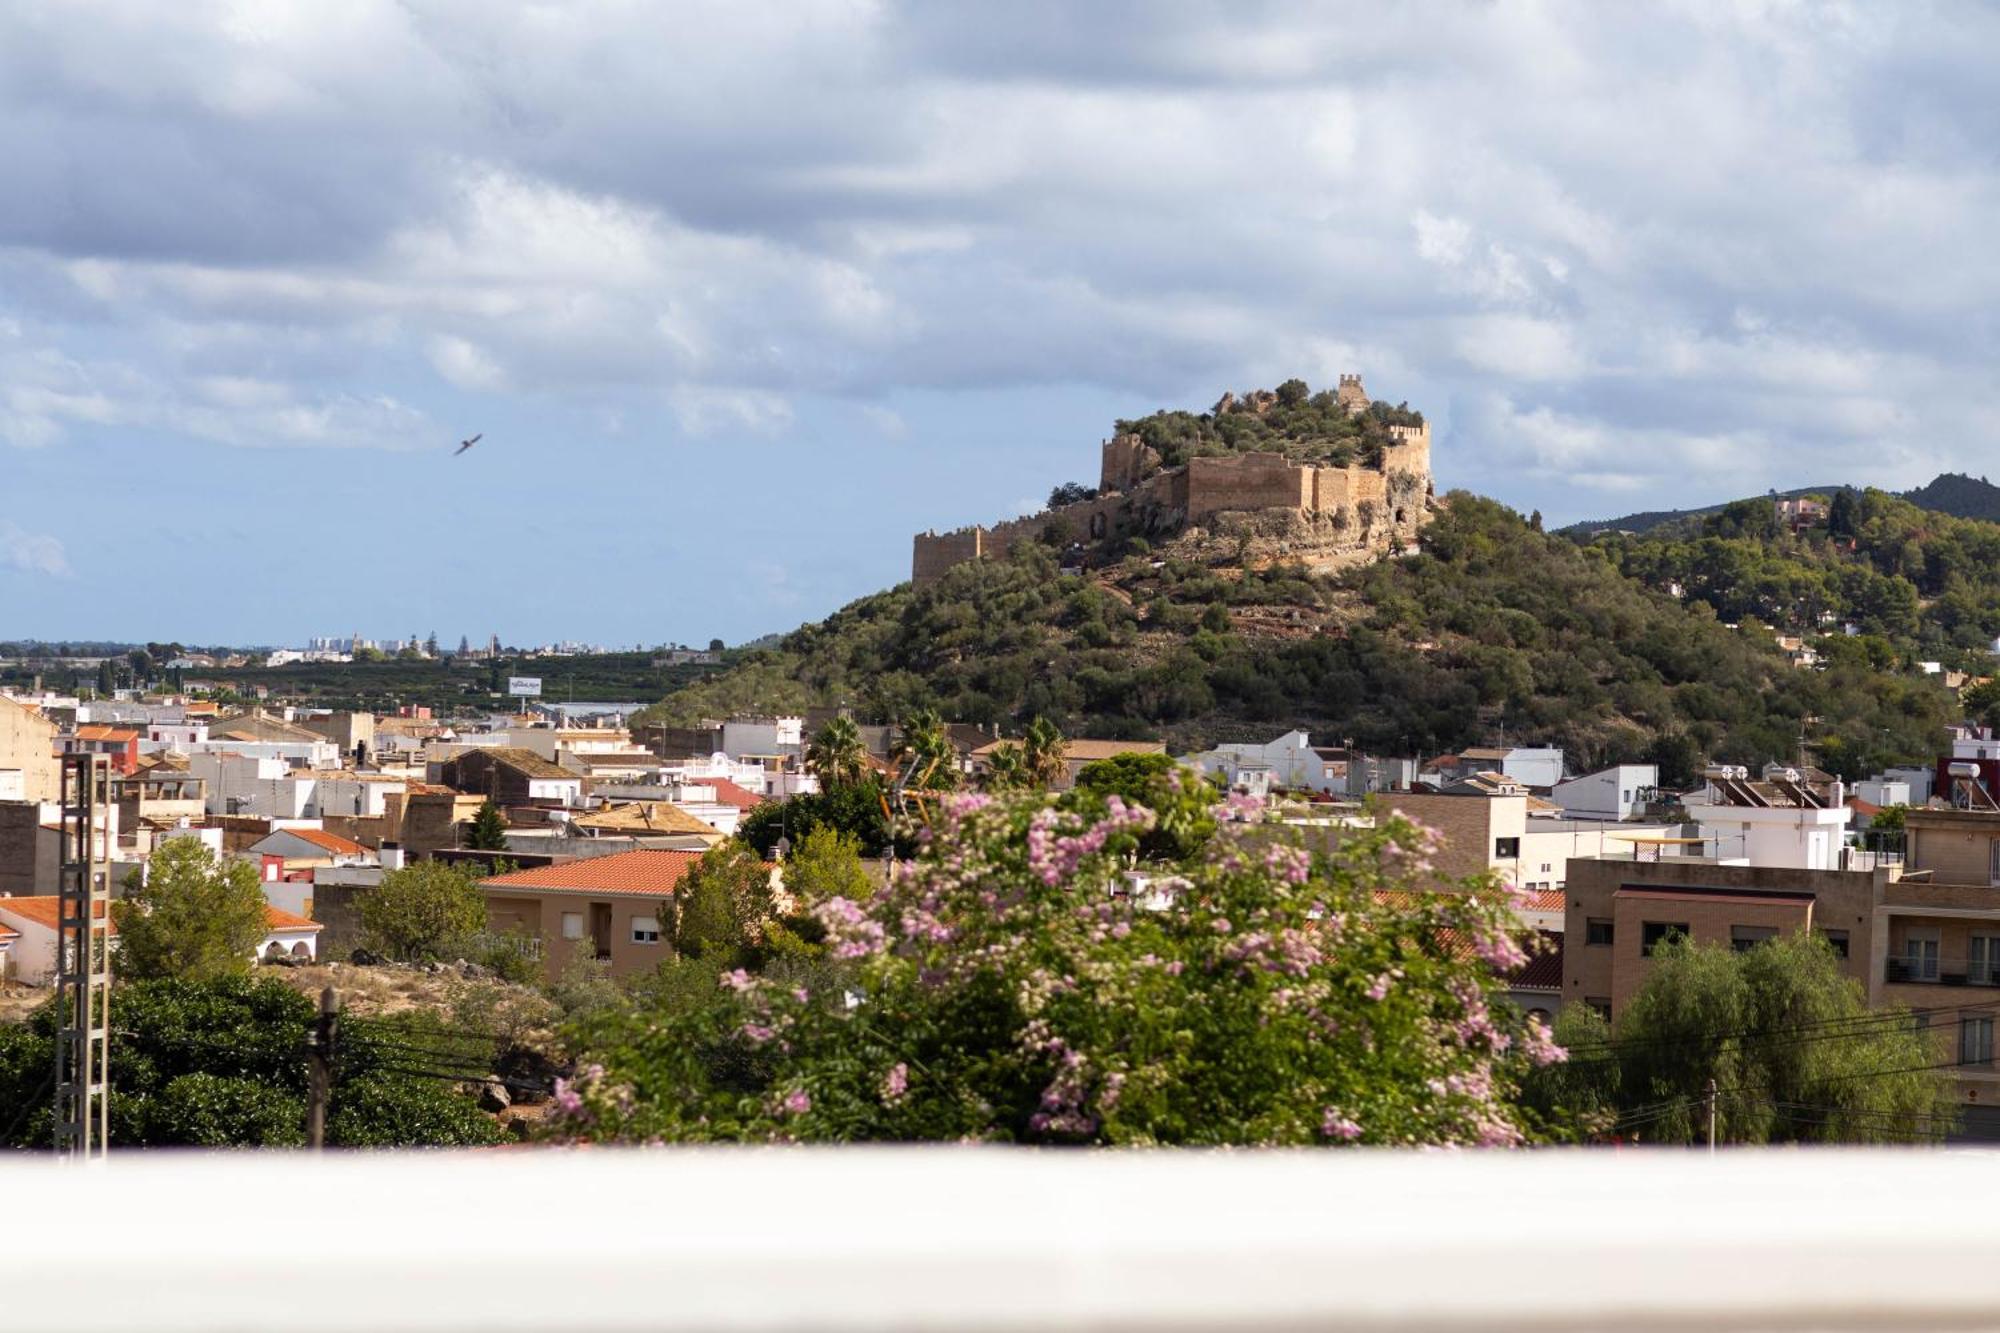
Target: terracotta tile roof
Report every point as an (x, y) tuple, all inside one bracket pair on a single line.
[(277, 918), (98, 732), (1544, 968), (332, 842), (41, 908), (1546, 900), (730, 793), (644, 874), (641, 817), (522, 761), (8, 933)]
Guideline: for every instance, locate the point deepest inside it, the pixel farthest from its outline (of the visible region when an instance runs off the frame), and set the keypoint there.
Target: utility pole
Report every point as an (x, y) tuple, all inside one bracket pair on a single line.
[(83, 964), (1711, 1117), (319, 1056)]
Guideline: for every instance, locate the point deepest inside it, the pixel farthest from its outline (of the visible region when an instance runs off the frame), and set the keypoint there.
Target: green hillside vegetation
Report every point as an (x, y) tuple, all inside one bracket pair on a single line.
[(1919, 585), (1494, 627), (1959, 495), (1306, 426)]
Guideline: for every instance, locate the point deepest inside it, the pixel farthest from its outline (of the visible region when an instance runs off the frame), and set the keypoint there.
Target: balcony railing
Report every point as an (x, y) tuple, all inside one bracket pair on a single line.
[(1929, 971)]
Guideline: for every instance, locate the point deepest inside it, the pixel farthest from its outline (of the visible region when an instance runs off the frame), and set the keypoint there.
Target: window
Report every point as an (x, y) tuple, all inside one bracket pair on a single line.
[(1836, 938), (1652, 933), (1745, 938), (1596, 930), (645, 930), (1920, 956), (1602, 1007), (1975, 1041), (572, 925), (1982, 960), (1506, 849)]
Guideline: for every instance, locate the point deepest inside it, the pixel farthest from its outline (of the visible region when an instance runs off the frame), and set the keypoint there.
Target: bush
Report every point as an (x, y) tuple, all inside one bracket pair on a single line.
[(1014, 986), (190, 915)]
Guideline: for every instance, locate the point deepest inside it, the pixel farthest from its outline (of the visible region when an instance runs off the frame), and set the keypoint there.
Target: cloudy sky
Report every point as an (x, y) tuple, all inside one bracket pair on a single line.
[(741, 295)]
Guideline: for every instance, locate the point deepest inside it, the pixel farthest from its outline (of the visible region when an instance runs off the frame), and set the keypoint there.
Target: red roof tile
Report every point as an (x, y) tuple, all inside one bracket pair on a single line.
[(641, 874), (1544, 968), (729, 793), (331, 842), (98, 732), (277, 918), (41, 908)]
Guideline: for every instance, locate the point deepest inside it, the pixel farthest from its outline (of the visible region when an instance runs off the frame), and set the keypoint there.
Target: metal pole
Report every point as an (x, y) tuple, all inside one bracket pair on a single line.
[(1711, 1116), (319, 1054)]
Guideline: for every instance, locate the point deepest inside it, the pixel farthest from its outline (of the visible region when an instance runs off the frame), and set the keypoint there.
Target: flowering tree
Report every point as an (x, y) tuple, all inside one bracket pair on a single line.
[(1017, 982)]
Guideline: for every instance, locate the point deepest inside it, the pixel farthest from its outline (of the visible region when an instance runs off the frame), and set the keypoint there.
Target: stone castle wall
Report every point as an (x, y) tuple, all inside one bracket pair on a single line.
[(1358, 512)]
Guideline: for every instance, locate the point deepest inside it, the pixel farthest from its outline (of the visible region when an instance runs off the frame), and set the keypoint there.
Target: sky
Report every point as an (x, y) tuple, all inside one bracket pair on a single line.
[(741, 296)]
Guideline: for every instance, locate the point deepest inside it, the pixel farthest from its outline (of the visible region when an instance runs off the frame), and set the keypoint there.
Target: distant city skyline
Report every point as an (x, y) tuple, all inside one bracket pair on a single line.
[(732, 330)]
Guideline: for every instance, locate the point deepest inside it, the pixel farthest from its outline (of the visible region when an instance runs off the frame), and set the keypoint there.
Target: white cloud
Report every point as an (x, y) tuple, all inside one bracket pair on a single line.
[(36, 553)]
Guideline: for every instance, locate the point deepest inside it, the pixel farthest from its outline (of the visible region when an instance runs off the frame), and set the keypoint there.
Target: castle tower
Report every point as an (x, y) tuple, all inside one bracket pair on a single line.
[(1351, 395)]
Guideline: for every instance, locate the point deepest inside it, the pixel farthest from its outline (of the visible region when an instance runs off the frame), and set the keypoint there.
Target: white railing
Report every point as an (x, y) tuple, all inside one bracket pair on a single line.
[(993, 1239)]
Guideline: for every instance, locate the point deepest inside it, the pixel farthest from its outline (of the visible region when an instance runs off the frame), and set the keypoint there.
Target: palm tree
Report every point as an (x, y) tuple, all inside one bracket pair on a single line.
[(928, 753), (835, 756), (1045, 754), (1006, 770)]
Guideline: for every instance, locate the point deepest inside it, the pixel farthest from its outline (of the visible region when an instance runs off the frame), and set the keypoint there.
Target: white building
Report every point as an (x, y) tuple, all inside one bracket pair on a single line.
[(1534, 766), (1620, 792), (764, 740), (253, 785), (1289, 761), (1789, 820)]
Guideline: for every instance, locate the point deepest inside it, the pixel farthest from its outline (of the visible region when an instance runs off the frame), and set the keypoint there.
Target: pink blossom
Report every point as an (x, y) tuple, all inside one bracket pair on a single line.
[(895, 1083), (739, 980), (796, 1102), (1336, 1125)]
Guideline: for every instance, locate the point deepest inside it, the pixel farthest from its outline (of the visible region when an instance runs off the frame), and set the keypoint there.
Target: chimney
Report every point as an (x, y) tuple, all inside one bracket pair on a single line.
[(392, 855)]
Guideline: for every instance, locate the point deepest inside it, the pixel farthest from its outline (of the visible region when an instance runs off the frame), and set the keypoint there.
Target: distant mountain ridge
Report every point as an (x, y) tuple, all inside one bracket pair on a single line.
[(1953, 493)]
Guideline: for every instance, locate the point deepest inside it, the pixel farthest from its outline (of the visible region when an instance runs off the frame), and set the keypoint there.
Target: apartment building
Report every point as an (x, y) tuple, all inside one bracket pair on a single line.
[(1495, 831)]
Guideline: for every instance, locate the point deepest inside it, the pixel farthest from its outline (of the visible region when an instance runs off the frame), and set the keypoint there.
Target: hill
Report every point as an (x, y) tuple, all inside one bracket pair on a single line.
[(1951, 493), (1492, 628), (1959, 495)]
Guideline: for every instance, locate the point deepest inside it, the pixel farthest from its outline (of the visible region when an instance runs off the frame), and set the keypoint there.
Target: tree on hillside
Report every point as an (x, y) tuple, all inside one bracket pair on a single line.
[(1044, 753), (190, 915), (1069, 493), (423, 912), (1786, 1037), (1009, 989), (488, 831), (835, 755)]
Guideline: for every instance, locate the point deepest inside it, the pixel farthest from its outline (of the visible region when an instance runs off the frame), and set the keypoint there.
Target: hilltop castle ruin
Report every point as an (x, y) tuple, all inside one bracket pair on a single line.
[(1325, 517)]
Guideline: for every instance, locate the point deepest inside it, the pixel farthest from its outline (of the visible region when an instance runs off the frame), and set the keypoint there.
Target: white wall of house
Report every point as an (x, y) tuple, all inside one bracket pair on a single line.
[(354, 794), (1808, 839), (1534, 766), (252, 785), (1613, 793)]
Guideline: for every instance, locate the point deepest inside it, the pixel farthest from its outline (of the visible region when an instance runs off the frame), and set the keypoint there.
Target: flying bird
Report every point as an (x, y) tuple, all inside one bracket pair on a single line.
[(463, 445)]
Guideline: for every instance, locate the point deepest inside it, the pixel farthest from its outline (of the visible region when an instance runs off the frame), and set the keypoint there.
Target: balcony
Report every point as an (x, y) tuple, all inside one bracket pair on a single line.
[(1930, 971)]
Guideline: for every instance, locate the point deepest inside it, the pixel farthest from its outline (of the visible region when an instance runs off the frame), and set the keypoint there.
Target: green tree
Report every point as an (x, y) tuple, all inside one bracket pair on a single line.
[(423, 912), (826, 864), (1044, 754), (856, 809), (488, 831), (1006, 769), (190, 915), (1786, 1037), (835, 755), (721, 906), (928, 752), (221, 1063)]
